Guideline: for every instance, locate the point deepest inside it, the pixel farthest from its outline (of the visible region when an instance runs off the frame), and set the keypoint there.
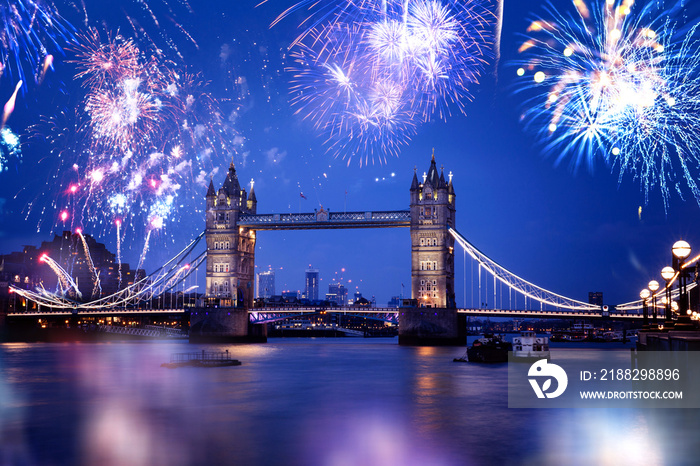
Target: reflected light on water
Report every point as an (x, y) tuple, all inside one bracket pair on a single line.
[(604, 437), (331, 402), (378, 438)]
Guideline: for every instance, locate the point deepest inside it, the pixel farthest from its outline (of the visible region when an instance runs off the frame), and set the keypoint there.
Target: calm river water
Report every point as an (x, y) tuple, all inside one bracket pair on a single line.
[(303, 402)]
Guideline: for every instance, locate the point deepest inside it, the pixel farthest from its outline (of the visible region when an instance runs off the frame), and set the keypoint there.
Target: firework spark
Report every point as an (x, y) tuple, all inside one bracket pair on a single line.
[(374, 71), (620, 85)]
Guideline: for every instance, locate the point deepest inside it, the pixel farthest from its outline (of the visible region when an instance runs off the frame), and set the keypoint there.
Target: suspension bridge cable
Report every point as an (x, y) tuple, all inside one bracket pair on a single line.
[(522, 286)]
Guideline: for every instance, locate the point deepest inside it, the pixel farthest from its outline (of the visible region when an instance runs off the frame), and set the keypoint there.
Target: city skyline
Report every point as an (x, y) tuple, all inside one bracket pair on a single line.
[(570, 231)]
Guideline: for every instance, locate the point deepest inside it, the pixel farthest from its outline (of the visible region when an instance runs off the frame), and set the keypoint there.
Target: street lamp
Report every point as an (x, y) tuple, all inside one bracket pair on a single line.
[(653, 286), (644, 294), (667, 273), (681, 250)]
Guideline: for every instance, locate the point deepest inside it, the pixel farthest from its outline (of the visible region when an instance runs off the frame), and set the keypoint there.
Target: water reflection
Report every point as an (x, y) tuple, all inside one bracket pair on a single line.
[(307, 402)]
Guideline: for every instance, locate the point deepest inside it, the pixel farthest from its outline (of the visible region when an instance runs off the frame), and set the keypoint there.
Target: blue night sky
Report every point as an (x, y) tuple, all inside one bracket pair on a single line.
[(568, 230)]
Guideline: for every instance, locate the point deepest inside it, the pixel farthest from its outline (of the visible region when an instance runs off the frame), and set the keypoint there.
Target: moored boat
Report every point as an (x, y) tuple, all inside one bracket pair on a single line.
[(528, 346), (203, 359), (490, 349)]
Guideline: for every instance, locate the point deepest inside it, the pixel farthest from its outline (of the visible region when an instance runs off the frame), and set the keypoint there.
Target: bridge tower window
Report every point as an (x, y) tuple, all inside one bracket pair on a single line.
[(422, 242)]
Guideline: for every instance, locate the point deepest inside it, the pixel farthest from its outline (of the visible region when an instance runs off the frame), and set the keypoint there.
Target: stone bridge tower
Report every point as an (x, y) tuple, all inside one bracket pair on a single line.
[(432, 246), (230, 249)]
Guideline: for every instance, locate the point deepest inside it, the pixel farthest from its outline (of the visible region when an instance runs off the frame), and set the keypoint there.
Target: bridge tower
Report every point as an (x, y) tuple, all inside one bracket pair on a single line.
[(230, 248), (432, 246)]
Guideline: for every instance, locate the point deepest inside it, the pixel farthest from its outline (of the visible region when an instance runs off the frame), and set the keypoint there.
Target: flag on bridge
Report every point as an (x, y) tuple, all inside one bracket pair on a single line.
[(302, 195)]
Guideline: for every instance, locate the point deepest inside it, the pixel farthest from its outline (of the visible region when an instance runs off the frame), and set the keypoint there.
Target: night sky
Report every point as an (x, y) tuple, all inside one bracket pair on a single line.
[(568, 230)]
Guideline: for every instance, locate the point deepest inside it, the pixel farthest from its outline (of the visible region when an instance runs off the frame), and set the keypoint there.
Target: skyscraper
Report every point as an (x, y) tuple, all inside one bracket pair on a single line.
[(595, 297), (265, 284), (337, 293), (311, 287)]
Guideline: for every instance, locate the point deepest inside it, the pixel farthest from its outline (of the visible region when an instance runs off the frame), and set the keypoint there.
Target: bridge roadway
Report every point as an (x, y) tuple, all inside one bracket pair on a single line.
[(324, 220), (278, 313)]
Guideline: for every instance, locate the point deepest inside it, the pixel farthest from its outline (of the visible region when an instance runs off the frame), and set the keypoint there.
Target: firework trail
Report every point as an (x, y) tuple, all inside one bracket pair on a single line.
[(10, 105), (97, 288), (142, 18), (145, 249), (367, 73), (621, 85), (30, 29), (66, 282), (119, 253)]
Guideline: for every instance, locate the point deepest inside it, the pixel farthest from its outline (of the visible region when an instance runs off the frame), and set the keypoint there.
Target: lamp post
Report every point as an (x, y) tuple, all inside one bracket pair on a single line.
[(653, 286), (681, 250), (667, 273), (644, 294)]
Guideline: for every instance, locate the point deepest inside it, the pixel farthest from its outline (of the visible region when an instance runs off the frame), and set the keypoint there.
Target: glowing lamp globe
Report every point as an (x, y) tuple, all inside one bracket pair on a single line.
[(653, 285), (644, 294), (667, 273), (681, 249)]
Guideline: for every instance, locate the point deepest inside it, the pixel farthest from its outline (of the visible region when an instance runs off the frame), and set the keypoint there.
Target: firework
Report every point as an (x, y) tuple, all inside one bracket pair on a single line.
[(30, 31), (10, 105), (143, 138), (9, 147), (620, 85), (368, 73), (66, 283), (97, 288), (145, 249), (118, 224)]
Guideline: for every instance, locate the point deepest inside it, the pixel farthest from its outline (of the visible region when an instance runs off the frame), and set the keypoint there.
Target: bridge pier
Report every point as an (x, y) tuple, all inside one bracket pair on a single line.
[(432, 327), (224, 325)]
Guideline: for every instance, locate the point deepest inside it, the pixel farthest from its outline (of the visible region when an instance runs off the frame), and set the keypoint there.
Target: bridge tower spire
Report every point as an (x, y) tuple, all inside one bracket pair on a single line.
[(432, 246), (230, 249)]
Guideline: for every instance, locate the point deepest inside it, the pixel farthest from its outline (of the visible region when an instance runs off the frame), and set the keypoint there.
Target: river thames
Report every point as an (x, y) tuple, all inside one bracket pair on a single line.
[(300, 401)]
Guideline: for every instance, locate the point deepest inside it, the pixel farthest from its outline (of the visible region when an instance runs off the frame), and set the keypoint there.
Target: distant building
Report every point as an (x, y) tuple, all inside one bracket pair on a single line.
[(395, 301), (27, 269), (290, 294), (265, 284), (595, 297), (311, 285), (338, 294)]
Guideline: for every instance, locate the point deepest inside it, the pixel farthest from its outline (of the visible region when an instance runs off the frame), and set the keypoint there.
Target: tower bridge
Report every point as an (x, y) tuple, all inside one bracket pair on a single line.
[(232, 225)]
